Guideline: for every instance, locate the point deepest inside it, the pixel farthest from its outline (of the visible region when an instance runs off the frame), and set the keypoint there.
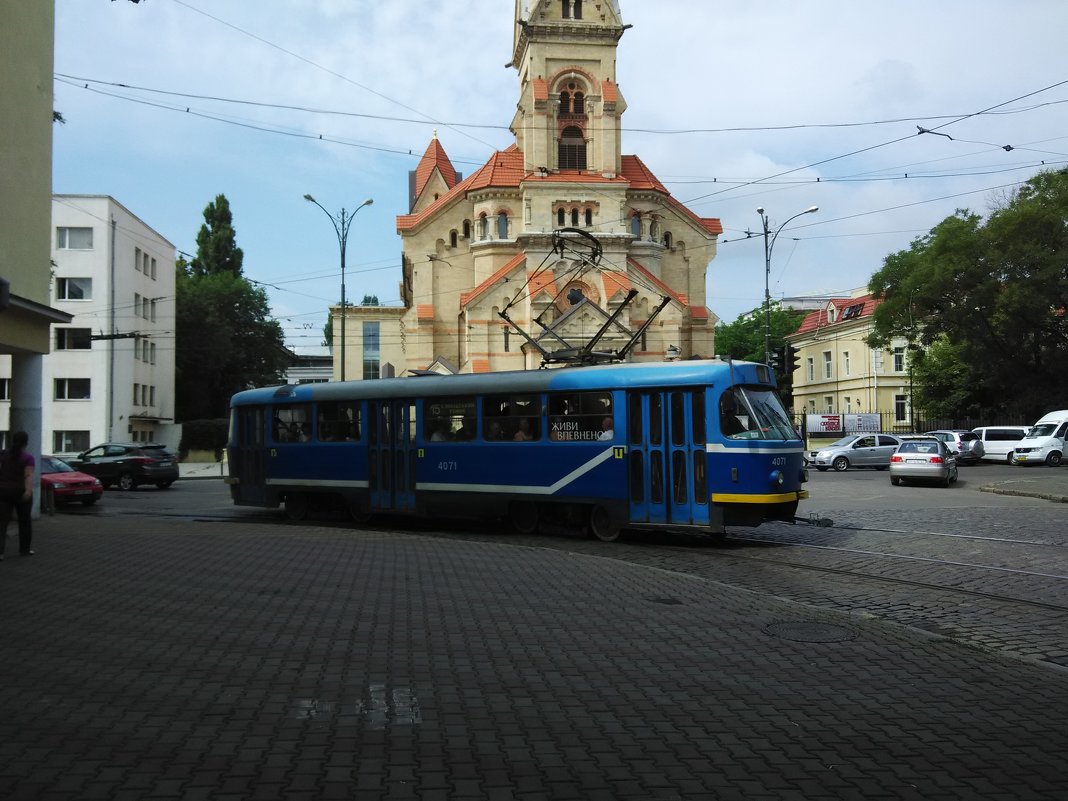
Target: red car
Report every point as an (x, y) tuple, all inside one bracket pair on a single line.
[(67, 484)]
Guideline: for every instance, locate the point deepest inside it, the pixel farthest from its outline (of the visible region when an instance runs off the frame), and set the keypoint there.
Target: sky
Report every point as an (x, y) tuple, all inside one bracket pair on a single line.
[(734, 105)]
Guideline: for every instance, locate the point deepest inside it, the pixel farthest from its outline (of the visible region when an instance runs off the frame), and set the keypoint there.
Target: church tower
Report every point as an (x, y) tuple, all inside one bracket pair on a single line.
[(569, 110)]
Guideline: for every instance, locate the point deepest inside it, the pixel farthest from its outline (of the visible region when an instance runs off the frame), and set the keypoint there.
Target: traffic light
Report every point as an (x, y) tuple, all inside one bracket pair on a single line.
[(792, 360), (776, 360)]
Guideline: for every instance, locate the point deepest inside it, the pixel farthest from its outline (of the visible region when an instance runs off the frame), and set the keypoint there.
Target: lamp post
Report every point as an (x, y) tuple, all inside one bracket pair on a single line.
[(341, 225), (768, 247)]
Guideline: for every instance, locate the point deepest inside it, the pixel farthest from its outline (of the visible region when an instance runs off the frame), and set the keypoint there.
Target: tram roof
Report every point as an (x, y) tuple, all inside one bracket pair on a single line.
[(633, 375)]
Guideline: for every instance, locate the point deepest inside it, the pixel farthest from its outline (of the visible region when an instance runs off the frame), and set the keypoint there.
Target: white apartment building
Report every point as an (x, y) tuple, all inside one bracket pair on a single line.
[(110, 374)]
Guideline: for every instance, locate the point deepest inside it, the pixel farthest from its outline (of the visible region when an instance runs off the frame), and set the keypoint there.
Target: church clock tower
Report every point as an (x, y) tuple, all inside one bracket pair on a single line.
[(569, 110)]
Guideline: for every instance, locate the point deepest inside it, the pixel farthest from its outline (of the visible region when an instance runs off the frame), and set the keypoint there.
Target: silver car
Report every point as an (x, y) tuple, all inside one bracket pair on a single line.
[(856, 450), (923, 460), (967, 444)]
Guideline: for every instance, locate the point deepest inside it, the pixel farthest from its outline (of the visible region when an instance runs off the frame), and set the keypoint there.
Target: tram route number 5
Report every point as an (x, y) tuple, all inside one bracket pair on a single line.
[(447, 466)]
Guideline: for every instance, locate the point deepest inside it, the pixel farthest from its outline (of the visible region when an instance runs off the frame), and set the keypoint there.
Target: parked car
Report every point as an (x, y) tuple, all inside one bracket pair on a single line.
[(966, 444), (1000, 441), (68, 485), (923, 460), (856, 450), (129, 464), (1045, 441)]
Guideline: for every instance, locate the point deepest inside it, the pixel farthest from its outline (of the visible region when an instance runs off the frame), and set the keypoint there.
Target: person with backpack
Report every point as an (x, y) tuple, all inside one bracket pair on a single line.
[(16, 491)]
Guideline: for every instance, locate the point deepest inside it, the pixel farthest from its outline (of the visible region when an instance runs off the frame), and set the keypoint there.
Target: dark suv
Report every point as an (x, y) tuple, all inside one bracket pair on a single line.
[(128, 464)]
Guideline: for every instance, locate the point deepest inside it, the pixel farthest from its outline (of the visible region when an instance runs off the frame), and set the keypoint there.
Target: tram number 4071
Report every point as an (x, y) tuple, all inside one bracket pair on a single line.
[(447, 466), (779, 461)]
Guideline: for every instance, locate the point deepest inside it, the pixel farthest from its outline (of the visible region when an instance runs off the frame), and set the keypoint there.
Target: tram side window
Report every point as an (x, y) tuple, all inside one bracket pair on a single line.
[(580, 416), (449, 420), (515, 418), (339, 421), (292, 423)]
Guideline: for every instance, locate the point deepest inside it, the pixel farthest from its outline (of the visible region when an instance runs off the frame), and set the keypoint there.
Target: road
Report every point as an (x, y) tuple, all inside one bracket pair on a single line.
[(985, 569)]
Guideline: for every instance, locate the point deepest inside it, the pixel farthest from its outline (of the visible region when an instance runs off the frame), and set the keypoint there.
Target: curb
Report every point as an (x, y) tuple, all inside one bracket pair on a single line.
[(1047, 496)]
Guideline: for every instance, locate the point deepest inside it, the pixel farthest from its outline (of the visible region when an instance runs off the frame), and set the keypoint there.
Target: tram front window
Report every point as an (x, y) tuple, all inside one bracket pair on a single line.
[(754, 413)]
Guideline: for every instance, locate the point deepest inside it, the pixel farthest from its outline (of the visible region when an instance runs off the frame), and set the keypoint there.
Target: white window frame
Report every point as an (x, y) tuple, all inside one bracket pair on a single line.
[(61, 388), (83, 282), (63, 237), (828, 364), (811, 368), (846, 367)]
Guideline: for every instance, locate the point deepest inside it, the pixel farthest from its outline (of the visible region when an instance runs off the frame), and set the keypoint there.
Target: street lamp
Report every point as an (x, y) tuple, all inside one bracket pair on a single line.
[(341, 225), (768, 247)]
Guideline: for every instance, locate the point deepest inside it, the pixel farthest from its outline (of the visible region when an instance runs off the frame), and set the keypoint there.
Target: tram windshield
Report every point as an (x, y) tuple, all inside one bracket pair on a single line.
[(754, 413)]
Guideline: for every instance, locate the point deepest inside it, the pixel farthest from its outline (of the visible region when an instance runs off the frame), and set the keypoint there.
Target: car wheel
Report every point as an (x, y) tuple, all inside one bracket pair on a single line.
[(841, 464), (895, 481), (947, 480), (126, 482), (163, 484), (1054, 459), (1009, 459)]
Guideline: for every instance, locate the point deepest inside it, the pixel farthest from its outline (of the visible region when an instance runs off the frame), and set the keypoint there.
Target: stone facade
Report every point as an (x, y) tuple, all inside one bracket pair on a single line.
[(476, 247)]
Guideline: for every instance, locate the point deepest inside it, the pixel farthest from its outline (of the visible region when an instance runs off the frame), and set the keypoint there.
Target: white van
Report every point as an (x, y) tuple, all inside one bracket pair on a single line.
[(1000, 441), (1044, 442)]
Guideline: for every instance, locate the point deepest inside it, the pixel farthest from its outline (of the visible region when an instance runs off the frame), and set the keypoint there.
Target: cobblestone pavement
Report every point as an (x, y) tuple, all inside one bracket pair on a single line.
[(153, 658)]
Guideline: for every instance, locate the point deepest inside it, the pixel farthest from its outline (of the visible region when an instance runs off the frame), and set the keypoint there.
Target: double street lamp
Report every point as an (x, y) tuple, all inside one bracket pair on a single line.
[(768, 247), (341, 223)]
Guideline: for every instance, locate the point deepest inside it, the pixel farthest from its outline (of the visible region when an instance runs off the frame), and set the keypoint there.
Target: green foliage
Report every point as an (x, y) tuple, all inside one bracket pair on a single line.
[(204, 435), (744, 338), (224, 337), (995, 292), (217, 250), (369, 300)]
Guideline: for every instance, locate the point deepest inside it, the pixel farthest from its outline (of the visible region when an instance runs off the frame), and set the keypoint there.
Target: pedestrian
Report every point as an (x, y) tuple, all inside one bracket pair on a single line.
[(16, 491)]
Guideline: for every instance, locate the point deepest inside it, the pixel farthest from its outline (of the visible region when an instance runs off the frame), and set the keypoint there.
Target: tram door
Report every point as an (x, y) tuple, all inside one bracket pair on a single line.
[(248, 462), (666, 449), (391, 461)]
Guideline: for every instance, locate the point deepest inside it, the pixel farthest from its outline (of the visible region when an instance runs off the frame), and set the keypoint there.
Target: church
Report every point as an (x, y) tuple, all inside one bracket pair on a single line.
[(557, 245)]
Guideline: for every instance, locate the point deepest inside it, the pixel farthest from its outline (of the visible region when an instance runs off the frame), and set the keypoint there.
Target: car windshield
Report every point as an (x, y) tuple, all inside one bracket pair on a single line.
[(1042, 430), (761, 414), (50, 464), (841, 443)]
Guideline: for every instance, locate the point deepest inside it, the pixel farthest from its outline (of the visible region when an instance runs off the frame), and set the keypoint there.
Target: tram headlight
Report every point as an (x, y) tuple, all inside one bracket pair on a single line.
[(777, 477)]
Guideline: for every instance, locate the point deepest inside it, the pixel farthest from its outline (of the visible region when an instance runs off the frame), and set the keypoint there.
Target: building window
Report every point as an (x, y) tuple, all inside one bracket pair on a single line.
[(667, 239), (467, 229), (561, 220), (74, 239), (152, 352), (811, 369), (137, 348), (137, 305), (137, 394), (636, 226), (574, 218), (70, 441), (828, 403), (74, 289), (5, 389), (502, 225), (507, 339), (152, 395), (828, 364), (371, 349), (153, 269), (848, 404), (152, 310), (589, 217), (453, 239), (74, 338), (72, 388), (899, 360), (483, 227), (845, 362), (572, 149), (901, 406), (137, 259), (577, 9), (812, 406)]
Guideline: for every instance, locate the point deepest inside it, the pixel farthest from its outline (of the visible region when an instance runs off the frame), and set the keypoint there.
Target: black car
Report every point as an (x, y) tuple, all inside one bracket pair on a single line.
[(128, 464)]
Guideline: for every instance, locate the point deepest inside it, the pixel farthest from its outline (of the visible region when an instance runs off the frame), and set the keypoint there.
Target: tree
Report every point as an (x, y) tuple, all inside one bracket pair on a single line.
[(225, 339), (995, 292), (744, 338)]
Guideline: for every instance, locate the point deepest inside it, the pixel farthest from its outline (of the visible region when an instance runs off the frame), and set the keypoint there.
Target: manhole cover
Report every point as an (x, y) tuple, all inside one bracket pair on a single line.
[(810, 631)]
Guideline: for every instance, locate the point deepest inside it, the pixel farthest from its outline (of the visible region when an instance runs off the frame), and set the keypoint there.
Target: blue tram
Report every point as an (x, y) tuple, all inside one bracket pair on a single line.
[(697, 445)]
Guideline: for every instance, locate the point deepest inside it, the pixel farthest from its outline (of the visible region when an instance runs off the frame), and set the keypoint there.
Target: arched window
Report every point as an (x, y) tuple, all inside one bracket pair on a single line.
[(560, 219), (589, 217), (502, 225), (667, 239), (572, 149), (453, 238), (579, 104), (574, 218), (483, 226), (565, 103), (636, 225), (467, 229)]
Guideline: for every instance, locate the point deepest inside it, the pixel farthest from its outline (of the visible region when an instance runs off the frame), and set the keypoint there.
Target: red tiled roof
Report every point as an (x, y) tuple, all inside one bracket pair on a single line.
[(542, 281), (818, 319), (541, 88), (664, 289), (615, 283), (434, 158), (425, 311), (609, 92), (480, 366), (510, 266), (699, 312)]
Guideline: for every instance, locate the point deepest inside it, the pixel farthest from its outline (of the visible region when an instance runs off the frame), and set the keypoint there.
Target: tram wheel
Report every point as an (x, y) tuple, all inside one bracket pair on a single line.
[(358, 512), (524, 516), (296, 506), (603, 526)]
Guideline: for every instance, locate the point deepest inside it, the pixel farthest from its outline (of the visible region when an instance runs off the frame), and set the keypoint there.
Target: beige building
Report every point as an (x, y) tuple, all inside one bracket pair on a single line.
[(478, 247), (837, 372), (26, 48)]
